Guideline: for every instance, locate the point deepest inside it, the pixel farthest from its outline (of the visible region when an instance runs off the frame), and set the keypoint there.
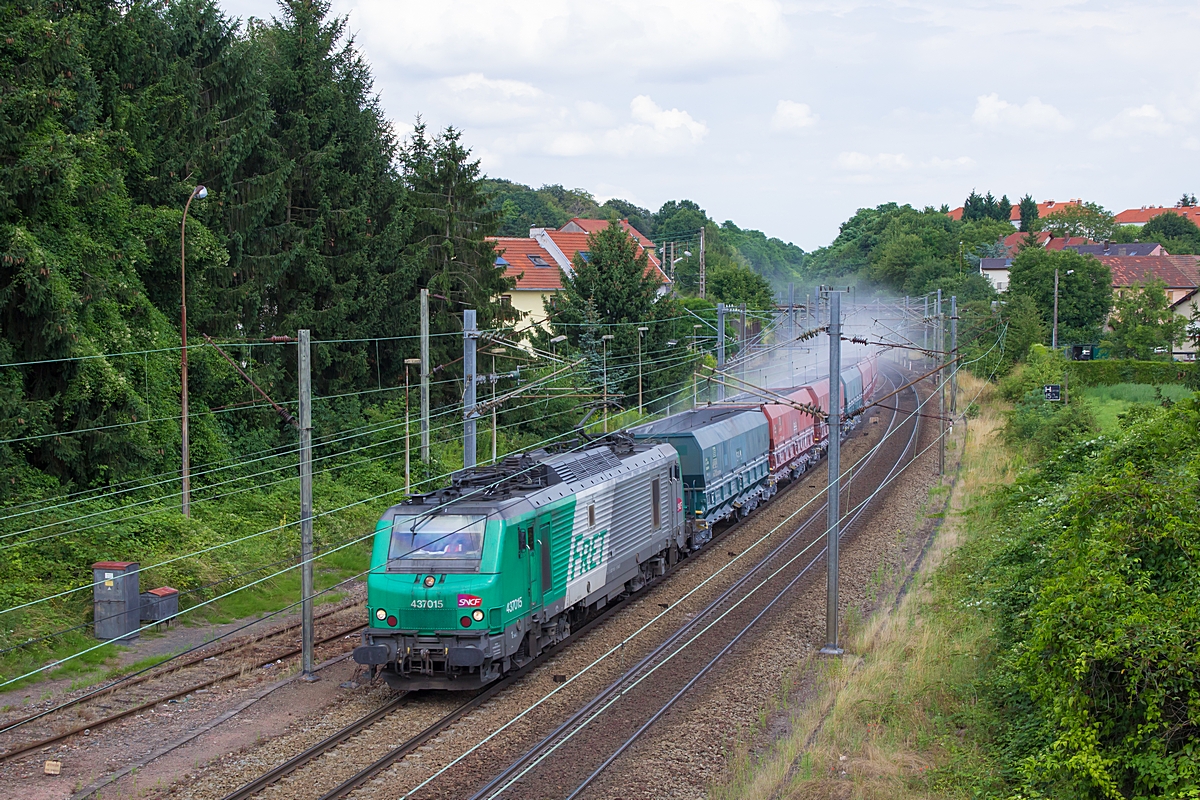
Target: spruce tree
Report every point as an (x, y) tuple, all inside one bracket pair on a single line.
[(1029, 213), (450, 245)]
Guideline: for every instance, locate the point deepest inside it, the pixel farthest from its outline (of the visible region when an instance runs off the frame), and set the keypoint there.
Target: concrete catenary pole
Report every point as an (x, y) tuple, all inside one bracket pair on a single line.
[(941, 385), (721, 350), (702, 276), (470, 336), (425, 376), (953, 355), (304, 371), (833, 516)]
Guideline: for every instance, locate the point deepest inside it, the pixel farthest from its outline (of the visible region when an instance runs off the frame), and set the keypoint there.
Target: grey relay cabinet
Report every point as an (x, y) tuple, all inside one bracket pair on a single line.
[(118, 603)]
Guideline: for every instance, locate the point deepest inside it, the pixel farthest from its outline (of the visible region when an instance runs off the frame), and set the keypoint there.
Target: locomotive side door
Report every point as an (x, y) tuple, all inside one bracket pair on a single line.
[(676, 500), (539, 566)]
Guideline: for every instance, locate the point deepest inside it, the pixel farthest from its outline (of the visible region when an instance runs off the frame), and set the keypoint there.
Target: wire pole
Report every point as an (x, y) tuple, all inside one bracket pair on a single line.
[(702, 278), (1054, 334), (470, 334), (833, 495), (720, 347), (185, 449), (941, 385), (425, 376), (304, 371), (954, 354)]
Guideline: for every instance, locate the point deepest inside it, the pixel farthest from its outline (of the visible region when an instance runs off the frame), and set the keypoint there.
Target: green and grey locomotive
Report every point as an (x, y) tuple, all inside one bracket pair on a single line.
[(479, 578)]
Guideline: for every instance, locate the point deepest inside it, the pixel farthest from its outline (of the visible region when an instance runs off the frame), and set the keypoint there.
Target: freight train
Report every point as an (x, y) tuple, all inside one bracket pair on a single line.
[(474, 580)]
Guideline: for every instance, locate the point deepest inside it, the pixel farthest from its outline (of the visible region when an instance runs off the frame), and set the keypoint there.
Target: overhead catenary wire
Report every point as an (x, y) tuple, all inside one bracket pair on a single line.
[(585, 443), (619, 647)]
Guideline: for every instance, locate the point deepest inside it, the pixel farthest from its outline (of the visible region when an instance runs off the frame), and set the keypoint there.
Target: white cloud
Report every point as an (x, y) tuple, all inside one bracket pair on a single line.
[(992, 112), (1141, 121), (571, 37), (478, 99), (652, 130), (861, 162), (1191, 143), (476, 82), (962, 162), (792, 116)]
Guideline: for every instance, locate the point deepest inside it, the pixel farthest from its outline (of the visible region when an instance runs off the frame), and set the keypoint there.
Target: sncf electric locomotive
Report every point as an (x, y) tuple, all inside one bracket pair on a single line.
[(477, 579)]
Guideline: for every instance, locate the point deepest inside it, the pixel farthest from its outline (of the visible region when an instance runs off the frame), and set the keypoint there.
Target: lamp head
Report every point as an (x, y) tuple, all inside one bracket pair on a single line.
[(200, 192), (558, 339), (606, 337)]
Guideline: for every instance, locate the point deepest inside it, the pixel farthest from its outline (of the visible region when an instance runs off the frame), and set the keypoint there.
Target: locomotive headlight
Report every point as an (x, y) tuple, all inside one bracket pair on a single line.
[(477, 615), (380, 614), (429, 581)]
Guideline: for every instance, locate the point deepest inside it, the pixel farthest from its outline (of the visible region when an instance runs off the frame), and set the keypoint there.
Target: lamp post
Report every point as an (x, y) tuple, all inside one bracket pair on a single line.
[(1054, 334), (407, 481), (604, 360), (185, 453), (641, 335)]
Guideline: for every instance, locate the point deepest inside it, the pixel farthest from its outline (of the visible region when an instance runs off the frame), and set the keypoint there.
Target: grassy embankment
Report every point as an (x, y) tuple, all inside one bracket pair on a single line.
[(897, 717)]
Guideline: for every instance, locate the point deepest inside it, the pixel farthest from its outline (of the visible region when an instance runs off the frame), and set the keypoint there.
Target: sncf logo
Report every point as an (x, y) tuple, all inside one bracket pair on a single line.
[(469, 601)]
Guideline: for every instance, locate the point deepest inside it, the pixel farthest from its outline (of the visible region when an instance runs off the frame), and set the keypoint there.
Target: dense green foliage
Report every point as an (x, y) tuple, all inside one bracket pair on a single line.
[(1084, 290), (1094, 590), (315, 217), (741, 254), (1088, 220), (1029, 213), (979, 207), (1143, 324), (1177, 234), (612, 292), (912, 252)]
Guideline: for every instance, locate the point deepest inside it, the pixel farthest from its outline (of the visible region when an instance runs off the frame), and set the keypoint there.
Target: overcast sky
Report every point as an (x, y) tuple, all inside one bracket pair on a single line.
[(788, 116)]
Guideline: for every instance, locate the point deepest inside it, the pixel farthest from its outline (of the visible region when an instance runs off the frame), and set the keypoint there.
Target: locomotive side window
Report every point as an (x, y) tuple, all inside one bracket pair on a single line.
[(591, 516), (654, 502)]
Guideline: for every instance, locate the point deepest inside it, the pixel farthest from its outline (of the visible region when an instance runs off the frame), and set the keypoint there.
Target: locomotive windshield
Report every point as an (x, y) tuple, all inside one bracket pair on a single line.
[(437, 543)]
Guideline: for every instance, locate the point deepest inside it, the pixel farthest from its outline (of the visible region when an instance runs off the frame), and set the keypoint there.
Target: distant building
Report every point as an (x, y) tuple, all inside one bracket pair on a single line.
[(1015, 241), (1119, 249), (1014, 216), (538, 263), (996, 271), (1181, 274), (1140, 216)]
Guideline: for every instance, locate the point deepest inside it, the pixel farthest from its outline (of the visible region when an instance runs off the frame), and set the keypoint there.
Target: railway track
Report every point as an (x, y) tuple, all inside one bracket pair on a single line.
[(141, 704), (573, 756), (515, 772)]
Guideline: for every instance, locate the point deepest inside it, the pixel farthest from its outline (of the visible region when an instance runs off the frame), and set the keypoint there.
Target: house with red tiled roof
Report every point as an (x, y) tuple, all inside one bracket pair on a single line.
[(1014, 216), (538, 263), (1140, 216), (1015, 241), (1181, 274)]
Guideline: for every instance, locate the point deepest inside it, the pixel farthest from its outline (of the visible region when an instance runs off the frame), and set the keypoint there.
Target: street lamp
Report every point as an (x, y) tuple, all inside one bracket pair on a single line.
[(198, 193), (555, 341), (407, 482), (641, 335), (495, 351), (604, 340), (1054, 334)]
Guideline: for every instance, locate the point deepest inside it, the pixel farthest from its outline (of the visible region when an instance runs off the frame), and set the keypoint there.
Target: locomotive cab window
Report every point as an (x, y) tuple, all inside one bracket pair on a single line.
[(436, 543), (655, 498)]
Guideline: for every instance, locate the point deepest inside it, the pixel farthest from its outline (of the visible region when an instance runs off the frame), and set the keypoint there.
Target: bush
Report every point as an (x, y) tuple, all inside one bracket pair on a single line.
[(1097, 593), (1048, 426)]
